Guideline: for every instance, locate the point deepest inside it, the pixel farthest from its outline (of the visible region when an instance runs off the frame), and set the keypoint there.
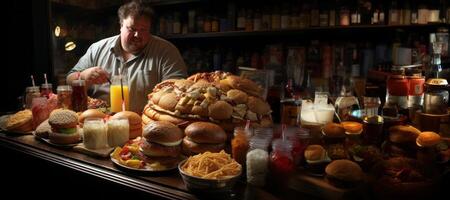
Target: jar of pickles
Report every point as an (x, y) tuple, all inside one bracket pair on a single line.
[(64, 96)]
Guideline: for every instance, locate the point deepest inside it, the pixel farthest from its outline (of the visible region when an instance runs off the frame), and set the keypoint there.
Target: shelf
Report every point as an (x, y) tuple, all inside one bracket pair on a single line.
[(309, 30), (170, 2)]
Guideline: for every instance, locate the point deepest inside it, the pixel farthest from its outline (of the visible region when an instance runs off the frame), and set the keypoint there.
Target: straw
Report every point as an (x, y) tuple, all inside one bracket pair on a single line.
[(109, 80), (283, 130), (121, 89), (45, 78), (32, 81)]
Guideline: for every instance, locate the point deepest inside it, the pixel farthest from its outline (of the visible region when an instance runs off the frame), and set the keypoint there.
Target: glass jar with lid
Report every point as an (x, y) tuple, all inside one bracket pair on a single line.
[(281, 162), (257, 160), (436, 96), (64, 96), (30, 93)]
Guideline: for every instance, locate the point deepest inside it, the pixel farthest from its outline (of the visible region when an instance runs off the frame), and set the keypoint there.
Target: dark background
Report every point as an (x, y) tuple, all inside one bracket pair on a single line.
[(26, 43)]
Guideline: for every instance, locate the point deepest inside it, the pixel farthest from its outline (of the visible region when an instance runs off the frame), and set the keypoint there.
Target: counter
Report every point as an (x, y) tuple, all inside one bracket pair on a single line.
[(43, 170)]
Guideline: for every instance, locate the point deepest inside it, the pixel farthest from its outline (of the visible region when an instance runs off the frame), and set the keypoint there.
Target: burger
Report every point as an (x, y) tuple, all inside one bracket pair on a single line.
[(402, 141), (428, 139), (333, 133), (134, 120), (161, 139), (90, 113), (63, 124), (202, 137), (316, 158), (344, 173), (352, 128)]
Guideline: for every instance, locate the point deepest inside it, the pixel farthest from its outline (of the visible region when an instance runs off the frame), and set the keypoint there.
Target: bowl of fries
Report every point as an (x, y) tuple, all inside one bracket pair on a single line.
[(210, 172)]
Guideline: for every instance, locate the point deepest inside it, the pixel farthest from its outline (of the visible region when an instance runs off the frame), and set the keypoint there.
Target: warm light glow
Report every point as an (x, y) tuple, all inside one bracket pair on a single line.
[(57, 31), (70, 46)]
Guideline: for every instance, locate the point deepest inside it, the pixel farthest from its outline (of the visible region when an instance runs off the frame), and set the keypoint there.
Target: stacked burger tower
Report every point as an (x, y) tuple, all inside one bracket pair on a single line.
[(218, 97)]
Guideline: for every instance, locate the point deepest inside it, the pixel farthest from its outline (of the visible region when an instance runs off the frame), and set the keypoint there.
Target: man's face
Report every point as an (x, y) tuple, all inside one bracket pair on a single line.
[(134, 34)]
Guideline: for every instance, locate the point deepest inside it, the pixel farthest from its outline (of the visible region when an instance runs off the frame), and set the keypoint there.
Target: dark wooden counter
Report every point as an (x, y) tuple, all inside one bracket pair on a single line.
[(33, 160)]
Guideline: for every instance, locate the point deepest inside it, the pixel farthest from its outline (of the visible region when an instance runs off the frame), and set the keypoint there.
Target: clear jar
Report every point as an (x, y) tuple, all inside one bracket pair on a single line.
[(281, 161), (64, 96), (30, 93), (257, 161), (436, 96), (79, 96), (239, 145), (94, 133), (46, 89), (118, 131)]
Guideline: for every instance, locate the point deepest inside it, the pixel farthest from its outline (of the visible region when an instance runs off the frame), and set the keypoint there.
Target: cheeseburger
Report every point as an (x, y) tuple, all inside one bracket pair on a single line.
[(161, 139), (63, 124)]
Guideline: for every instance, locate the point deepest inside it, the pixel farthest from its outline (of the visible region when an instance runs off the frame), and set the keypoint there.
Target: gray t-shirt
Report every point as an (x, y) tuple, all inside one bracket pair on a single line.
[(158, 61)]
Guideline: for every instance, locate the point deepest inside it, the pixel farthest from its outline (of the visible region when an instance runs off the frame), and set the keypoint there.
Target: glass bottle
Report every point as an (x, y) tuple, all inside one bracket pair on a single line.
[(257, 161), (394, 14), (79, 95), (64, 96), (240, 144), (46, 90), (281, 162), (240, 23), (30, 93), (346, 102)]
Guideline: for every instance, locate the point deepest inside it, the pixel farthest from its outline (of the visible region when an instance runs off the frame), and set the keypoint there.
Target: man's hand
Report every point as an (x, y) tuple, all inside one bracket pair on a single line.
[(95, 75)]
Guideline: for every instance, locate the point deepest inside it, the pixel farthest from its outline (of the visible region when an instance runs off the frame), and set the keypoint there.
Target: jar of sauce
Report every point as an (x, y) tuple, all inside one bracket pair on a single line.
[(79, 95), (64, 96), (436, 96), (281, 162), (239, 145)]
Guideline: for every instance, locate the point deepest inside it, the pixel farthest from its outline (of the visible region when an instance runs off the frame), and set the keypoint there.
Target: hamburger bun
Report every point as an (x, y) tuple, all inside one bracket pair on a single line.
[(220, 110), (168, 101), (352, 127), (90, 113), (243, 84), (344, 173), (258, 106), (62, 119), (61, 138), (159, 116), (134, 120), (190, 147), (21, 121), (428, 139), (205, 132), (315, 153), (43, 130), (333, 130), (403, 134), (199, 110), (237, 96), (163, 133), (157, 150), (183, 84)]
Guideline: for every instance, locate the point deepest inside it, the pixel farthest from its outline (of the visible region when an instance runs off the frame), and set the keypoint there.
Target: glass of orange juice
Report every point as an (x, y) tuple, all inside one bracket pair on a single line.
[(119, 93)]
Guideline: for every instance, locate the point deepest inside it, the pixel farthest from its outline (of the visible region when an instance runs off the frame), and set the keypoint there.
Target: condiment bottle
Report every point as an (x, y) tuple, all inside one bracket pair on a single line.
[(281, 162), (239, 145), (257, 161), (436, 96), (64, 96)]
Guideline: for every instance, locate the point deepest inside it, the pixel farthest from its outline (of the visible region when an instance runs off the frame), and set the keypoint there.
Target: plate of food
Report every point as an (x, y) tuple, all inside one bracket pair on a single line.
[(131, 157), (20, 123)]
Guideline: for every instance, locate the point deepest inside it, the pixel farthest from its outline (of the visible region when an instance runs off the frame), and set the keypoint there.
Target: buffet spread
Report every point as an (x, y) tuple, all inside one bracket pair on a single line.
[(216, 128)]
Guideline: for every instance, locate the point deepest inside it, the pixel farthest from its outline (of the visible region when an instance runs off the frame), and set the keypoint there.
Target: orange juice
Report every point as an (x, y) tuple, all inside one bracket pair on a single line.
[(116, 98)]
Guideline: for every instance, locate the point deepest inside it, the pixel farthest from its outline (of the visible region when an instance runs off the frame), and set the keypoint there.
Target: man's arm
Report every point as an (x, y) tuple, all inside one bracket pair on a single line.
[(85, 62)]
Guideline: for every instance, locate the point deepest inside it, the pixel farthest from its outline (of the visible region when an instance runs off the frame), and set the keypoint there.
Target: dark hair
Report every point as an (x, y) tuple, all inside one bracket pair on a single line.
[(135, 8)]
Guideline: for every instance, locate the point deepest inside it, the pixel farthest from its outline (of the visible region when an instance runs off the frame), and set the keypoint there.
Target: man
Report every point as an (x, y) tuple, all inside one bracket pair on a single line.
[(146, 59)]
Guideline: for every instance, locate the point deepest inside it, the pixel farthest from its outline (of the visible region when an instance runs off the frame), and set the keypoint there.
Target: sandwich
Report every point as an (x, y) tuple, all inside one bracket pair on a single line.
[(64, 129), (202, 137)]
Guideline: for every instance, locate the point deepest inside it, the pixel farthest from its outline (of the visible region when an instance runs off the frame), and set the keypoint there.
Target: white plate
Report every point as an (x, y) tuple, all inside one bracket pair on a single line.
[(46, 140)]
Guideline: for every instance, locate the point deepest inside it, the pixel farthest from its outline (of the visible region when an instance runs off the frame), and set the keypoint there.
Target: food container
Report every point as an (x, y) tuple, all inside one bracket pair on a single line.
[(201, 185), (436, 96)]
